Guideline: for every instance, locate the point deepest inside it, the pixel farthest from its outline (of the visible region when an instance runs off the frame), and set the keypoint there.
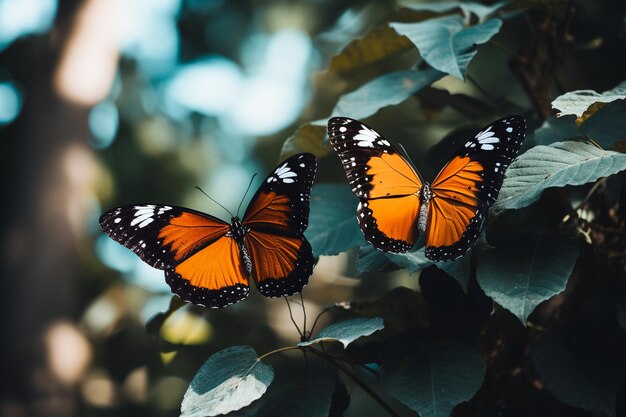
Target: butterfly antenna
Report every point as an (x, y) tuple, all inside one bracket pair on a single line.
[(246, 193), (213, 200)]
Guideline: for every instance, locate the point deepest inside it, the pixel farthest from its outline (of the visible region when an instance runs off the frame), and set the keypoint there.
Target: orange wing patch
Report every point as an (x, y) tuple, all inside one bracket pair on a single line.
[(211, 277), (189, 232), (454, 215), (390, 223), (269, 209), (390, 175), (281, 265)]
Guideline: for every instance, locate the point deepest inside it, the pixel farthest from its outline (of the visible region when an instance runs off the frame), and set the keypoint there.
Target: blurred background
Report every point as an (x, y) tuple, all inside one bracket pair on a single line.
[(104, 103)]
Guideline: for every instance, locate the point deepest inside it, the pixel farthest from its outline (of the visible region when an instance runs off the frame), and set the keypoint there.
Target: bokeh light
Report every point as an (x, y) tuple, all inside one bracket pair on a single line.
[(24, 17), (10, 102)]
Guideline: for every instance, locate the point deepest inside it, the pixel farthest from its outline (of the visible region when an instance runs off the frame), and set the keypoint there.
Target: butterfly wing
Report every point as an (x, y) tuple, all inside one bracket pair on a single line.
[(277, 216), (468, 185), (201, 262), (383, 179)]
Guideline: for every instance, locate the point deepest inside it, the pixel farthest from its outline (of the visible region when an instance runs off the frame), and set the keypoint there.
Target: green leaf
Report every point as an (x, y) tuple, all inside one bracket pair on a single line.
[(445, 43), (580, 102), (605, 127), (308, 138), (432, 376), (229, 380), (346, 332), (526, 271), (468, 8), (333, 227), (371, 259), (413, 261), (387, 90), (458, 269), (556, 165), (377, 45), (309, 397), (588, 380)]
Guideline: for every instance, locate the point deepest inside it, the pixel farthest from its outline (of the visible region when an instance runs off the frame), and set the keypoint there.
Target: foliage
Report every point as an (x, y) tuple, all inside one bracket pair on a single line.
[(551, 253)]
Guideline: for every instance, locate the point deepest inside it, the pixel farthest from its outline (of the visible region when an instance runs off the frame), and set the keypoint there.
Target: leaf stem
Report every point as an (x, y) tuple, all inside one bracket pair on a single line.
[(346, 370), (283, 349)]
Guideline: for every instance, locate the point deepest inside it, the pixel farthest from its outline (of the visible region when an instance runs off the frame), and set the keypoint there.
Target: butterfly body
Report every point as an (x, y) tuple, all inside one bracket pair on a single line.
[(397, 206), (208, 261)]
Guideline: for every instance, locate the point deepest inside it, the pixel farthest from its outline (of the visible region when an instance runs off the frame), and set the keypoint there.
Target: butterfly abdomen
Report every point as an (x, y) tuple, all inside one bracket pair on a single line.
[(422, 218), (238, 232)]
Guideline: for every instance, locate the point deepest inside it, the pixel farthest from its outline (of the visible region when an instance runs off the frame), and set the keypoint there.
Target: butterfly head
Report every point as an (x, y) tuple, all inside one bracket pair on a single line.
[(237, 229)]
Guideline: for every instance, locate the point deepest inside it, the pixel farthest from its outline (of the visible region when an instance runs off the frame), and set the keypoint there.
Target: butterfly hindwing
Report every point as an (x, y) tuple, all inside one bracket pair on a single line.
[(468, 185), (201, 262), (277, 216), (383, 179), (211, 277)]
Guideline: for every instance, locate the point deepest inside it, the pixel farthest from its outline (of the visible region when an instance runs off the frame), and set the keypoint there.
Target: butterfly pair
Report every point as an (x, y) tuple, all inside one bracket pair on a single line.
[(208, 261)]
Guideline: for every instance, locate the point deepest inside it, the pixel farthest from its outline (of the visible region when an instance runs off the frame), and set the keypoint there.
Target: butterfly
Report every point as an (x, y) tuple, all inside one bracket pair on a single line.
[(397, 206), (208, 261)]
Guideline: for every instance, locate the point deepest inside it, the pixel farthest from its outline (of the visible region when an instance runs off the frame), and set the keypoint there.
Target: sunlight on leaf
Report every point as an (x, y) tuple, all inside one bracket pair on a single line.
[(392, 88), (346, 332), (432, 376), (377, 45), (468, 8), (229, 380), (588, 380), (583, 103), (333, 227), (308, 138), (556, 165), (446, 43), (526, 271)]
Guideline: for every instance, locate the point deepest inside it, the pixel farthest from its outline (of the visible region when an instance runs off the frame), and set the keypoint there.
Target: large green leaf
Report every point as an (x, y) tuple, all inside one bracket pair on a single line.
[(389, 89), (371, 259), (446, 43), (308, 138), (333, 227), (432, 376), (576, 376), (346, 332), (581, 102), (556, 165), (310, 396), (229, 380), (526, 271)]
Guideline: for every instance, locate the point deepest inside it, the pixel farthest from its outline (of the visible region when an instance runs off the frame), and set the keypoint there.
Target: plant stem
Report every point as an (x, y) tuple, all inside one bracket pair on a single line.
[(346, 370)]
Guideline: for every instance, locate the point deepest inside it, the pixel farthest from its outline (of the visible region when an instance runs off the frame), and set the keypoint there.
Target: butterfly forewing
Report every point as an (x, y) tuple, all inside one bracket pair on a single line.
[(385, 181), (468, 185), (281, 204), (277, 216), (162, 235)]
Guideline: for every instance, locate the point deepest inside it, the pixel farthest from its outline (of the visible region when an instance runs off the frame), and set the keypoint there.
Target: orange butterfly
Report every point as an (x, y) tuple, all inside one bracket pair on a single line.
[(397, 206), (208, 261)]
